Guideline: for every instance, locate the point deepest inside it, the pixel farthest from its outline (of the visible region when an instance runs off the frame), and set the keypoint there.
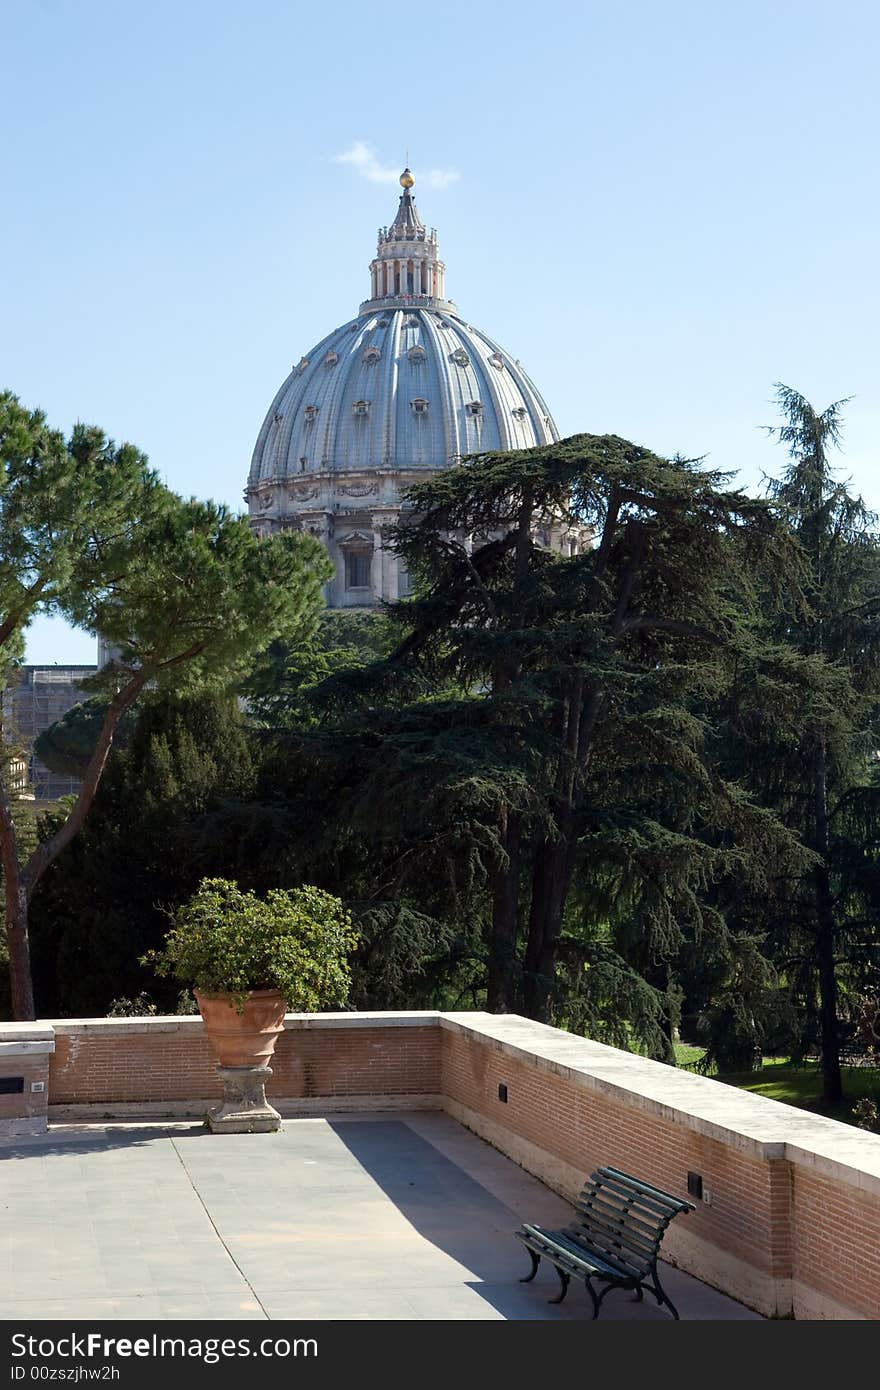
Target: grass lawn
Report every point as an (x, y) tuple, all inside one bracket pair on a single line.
[(801, 1085)]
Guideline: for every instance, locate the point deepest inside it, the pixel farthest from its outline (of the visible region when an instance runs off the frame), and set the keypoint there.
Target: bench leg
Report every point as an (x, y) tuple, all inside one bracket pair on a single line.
[(536, 1260), (663, 1297), (596, 1301), (564, 1281)]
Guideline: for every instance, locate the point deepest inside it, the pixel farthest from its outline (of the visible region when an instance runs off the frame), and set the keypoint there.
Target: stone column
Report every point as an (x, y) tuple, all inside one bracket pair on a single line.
[(384, 576)]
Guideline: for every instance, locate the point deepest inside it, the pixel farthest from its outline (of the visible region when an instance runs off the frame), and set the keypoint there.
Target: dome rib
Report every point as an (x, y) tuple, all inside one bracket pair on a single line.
[(392, 436)]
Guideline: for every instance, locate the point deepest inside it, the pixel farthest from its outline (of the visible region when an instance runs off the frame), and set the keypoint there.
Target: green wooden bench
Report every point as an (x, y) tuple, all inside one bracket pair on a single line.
[(614, 1241)]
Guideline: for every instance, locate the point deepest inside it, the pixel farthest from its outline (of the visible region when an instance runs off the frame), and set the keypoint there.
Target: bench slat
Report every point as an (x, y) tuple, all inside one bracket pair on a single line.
[(551, 1241), (625, 1258), (631, 1203), (616, 1238), (599, 1220), (648, 1230), (678, 1204), (646, 1203), (612, 1259)]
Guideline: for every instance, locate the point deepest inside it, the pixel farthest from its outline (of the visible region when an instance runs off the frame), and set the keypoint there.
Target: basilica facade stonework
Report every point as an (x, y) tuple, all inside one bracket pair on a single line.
[(402, 390)]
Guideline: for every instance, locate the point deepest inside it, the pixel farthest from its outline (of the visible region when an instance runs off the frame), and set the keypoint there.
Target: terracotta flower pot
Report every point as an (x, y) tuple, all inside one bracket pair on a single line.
[(247, 1039)]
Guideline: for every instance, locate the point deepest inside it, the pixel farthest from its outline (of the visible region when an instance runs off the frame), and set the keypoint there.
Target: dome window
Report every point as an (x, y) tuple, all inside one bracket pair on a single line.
[(331, 359), (303, 464), (382, 323), (417, 354), (497, 361), (361, 408), (358, 551), (460, 358), (358, 567), (520, 412), (474, 408), (411, 321), (419, 406), (372, 354), (302, 364), (278, 417), (311, 414)]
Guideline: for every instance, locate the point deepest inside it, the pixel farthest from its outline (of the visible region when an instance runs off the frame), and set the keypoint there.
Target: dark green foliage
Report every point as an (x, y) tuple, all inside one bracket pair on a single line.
[(104, 902), (224, 940), (800, 728), (597, 801), (279, 687), (67, 745)]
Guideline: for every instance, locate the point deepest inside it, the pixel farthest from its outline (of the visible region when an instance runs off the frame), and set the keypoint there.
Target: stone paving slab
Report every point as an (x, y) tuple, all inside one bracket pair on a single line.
[(339, 1217)]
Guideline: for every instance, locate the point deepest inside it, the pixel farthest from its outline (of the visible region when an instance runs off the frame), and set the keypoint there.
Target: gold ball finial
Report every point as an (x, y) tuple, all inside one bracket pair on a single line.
[(406, 179)]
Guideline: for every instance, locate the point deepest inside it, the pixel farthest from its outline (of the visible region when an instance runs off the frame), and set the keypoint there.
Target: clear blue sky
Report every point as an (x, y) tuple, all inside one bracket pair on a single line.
[(660, 208)]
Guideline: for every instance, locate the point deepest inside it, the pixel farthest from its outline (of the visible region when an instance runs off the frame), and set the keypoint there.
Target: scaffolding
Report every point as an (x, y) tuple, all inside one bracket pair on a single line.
[(42, 695)]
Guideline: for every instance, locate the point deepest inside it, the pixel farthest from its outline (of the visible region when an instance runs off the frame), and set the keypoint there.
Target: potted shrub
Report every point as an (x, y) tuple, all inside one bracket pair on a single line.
[(250, 959)]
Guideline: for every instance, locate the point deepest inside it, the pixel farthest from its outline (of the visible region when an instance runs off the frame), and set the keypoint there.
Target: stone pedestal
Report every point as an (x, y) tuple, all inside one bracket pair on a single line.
[(244, 1108)]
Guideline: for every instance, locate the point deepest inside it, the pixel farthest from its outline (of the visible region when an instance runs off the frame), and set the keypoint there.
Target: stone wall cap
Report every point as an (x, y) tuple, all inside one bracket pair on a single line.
[(26, 1047), (116, 1027), (750, 1123), (852, 1158), (26, 1032), (384, 1018), (184, 1023)]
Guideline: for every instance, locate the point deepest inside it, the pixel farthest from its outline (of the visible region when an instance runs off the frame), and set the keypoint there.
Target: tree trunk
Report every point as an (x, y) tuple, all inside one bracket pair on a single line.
[(551, 881), (17, 903), (505, 919), (832, 1083), (18, 944)]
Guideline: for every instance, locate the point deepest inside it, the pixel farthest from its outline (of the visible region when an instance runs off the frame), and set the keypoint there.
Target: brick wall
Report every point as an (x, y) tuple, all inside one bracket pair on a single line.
[(152, 1061), (835, 1247), (25, 1050)]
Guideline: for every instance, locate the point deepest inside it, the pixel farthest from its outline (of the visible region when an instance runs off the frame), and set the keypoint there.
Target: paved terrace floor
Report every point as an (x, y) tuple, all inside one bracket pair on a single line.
[(381, 1216)]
